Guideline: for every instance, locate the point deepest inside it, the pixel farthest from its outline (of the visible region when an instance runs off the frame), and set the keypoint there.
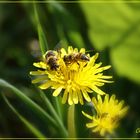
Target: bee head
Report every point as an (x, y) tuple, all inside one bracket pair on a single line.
[(49, 53)]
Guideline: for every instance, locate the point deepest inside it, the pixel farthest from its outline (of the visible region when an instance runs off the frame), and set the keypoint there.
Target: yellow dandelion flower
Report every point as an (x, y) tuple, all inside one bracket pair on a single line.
[(69, 72), (109, 112)]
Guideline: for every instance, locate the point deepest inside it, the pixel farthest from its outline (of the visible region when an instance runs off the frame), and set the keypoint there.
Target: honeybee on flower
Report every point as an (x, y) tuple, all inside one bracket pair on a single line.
[(75, 57), (51, 59), (73, 73)]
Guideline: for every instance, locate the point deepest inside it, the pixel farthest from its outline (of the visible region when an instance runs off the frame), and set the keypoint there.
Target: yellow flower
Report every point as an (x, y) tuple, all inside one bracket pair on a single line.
[(76, 79), (109, 112)]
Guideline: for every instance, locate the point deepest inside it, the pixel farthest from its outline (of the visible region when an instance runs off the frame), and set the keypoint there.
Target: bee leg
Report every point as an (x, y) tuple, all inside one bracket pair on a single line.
[(78, 64), (85, 65)]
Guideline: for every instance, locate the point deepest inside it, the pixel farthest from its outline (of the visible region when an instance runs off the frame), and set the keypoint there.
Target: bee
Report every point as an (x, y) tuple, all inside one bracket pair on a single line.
[(51, 60), (75, 57)]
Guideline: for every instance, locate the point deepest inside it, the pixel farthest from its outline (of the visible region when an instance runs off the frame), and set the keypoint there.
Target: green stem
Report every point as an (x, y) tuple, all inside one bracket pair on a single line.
[(52, 110), (58, 107), (71, 122)]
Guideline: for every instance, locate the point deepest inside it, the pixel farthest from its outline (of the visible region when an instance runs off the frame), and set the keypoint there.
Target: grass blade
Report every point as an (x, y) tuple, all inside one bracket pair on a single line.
[(56, 116), (30, 126), (42, 39), (36, 108)]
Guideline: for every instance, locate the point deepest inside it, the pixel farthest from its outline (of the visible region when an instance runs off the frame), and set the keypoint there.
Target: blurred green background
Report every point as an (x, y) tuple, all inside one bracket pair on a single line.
[(110, 28)]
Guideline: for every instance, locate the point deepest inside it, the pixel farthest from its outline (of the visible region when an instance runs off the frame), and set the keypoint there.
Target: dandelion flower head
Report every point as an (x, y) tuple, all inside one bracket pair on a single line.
[(109, 112), (75, 78)]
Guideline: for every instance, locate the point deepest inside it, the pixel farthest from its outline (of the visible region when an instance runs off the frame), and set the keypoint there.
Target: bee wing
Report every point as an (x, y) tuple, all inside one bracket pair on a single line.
[(34, 49), (60, 44)]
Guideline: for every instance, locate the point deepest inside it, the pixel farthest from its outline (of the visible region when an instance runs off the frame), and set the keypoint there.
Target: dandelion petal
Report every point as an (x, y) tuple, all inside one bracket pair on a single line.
[(39, 79), (80, 97), (86, 115), (70, 101), (96, 89), (90, 125), (82, 50), (75, 97), (40, 65), (65, 96), (46, 85), (37, 72), (86, 96), (57, 91), (70, 49)]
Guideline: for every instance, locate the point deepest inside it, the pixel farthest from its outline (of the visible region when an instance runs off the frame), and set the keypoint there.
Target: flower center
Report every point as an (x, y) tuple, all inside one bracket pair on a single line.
[(69, 82)]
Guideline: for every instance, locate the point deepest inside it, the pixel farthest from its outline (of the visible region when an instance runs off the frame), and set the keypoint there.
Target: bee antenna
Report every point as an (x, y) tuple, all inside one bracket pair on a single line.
[(89, 51)]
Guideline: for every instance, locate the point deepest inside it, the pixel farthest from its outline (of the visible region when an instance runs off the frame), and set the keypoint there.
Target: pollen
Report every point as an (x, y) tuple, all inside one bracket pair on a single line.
[(69, 82)]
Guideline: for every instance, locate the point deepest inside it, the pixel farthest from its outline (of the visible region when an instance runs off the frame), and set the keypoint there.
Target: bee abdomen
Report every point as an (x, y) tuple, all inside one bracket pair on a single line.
[(54, 67), (84, 57), (67, 59), (49, 54), (52, 62)]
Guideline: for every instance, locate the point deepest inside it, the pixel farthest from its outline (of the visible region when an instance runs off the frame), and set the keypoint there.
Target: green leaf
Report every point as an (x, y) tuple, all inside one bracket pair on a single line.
[(33, 106), (29, 125), (107, 22), (126, 56)]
